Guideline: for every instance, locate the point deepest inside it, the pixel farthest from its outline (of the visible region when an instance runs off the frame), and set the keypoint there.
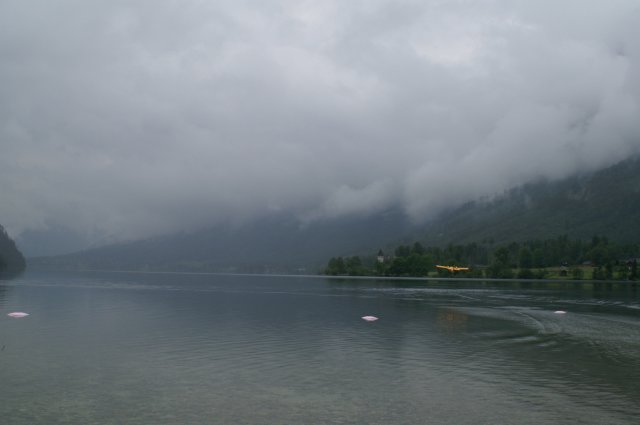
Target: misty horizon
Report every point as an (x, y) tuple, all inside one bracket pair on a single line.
[(122, 121)]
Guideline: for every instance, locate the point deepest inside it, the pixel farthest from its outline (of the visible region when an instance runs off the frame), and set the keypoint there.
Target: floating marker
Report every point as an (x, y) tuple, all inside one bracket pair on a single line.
[(18, 314), (369, 318), (560, 312)]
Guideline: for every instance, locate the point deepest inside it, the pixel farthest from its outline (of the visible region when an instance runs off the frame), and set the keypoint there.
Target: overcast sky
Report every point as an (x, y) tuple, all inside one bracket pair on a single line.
[(131, 118)]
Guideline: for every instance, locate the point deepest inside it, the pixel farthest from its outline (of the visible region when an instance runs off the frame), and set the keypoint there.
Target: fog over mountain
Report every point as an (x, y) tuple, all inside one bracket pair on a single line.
[(121, 120)]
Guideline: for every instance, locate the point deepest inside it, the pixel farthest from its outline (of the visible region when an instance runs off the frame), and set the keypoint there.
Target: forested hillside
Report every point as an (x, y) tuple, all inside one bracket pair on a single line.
[(605, 203), (11, 259)]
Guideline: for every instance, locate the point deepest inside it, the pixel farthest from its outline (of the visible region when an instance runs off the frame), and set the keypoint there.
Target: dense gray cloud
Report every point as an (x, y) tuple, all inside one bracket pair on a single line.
[(132, 118)]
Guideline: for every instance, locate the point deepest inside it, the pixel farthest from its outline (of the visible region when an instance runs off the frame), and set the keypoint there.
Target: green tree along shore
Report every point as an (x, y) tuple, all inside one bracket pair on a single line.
[(11, 260), (598, 258)]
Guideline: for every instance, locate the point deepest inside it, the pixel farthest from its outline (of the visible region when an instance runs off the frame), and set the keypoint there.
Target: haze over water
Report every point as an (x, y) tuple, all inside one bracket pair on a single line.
[(114, 348)]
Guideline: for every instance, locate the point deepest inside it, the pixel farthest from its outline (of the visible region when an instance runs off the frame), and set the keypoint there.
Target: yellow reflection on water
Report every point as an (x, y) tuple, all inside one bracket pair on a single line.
[(450, 320)]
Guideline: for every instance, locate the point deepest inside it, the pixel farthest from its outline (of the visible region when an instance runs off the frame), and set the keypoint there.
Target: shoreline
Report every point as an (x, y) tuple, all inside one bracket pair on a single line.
[(343, 277)]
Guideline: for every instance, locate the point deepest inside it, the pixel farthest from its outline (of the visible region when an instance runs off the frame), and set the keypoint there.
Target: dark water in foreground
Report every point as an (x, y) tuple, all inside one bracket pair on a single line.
[(122, 348)]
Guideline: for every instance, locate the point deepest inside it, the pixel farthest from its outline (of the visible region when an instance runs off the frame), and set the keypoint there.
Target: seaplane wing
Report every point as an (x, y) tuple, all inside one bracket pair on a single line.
[(453, 268)]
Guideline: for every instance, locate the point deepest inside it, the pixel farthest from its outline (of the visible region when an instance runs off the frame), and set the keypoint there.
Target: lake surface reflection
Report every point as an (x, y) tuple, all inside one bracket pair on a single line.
[(134, 348)]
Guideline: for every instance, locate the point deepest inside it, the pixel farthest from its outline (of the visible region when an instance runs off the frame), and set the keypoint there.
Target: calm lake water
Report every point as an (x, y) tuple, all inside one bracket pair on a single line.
[(134, 348)]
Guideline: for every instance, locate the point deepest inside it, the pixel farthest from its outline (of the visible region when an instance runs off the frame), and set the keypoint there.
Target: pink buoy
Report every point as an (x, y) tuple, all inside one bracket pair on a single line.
[(18, 314), (369, 318)]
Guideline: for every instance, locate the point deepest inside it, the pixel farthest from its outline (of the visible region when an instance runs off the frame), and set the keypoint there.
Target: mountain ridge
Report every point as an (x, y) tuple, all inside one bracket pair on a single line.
[(601, 203)]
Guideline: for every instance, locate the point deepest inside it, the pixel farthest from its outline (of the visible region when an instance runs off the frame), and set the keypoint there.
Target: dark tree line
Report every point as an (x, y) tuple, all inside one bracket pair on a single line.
[(350, 266), (529, 259), (11, 260)]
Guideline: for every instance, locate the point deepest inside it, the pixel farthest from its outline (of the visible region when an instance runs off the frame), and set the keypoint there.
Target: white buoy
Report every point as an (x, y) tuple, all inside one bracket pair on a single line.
[(18, 314), (560, 312), (369, 318)]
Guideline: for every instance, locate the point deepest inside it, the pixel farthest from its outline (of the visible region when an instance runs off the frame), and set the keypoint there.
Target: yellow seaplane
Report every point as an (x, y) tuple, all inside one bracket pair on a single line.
[(453, 269)]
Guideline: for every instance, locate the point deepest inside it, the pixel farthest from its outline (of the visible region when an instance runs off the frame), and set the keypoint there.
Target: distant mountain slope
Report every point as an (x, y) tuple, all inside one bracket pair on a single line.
[(273, 244), (603, 203), (51, 240), (11, 259)]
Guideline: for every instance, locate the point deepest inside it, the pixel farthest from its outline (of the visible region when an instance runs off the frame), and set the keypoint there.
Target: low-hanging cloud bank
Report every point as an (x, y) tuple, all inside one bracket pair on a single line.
[(135, 118)]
